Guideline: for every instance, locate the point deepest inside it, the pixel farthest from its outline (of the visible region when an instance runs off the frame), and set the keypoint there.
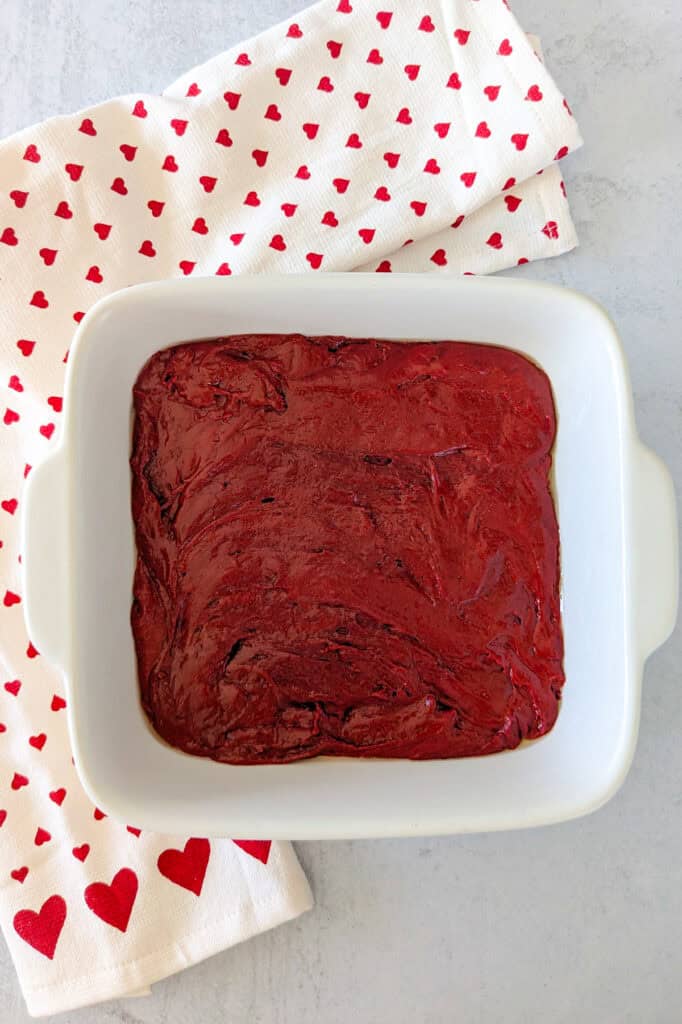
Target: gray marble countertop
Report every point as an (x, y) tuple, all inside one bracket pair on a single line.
[(578, 922)]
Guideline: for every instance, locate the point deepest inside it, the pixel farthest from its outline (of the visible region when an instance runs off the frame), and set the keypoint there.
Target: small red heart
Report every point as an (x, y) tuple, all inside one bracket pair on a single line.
[(243, 60), (353, 141), (302, 172), (25, 346), (512, 203), (31, 651), (441, 129), (8, 237), (561, 153), (458, 221), (260, 156), (426, 25), (519, 140), (314, 259), (10, 417), (3, 817), (294, 32), (169, 164), (31, 154), (19, 874), (366, 234), (334, 48), (384, 18), (534, 94), (19, 780), (505, 48), (14, 383), (57, 703), (495, 240), (178, 125), (412, 70), (462, 36), (81, 852), (310, 130), (57, 796), (8, 600), (74, 171), (232, 99), (340, 184), (431, 166), (482, 131), (38, 741), (155, 207), (404, 116), (223, 271), (392, 159), (509, 183), (551, 229), (13, 686), (186, 867), (94, 274), (200, 226), (64, 210), (87, 127), (10, 505), (102, 230), (330, 219), (223, 137), (128, 151), (77, 317), (41, 837), (98, 815), (362, 99), (252, 199), (18, 197), (382, 194), (47, 430), (207, 183), (41, 929), (454, 82), (325, 84), (492, 92), (278, 243), (289, 209), (186, 266), (147, 249), (283, 75), (139, 110), (119, 185), (439, 258), (384, 267), (113, 903), (38, 299), (344, 7), (137, 832), (418, 207), (48, 256), (272, 113), (374, 57), (193, 90), (236, 239), (257, 848)]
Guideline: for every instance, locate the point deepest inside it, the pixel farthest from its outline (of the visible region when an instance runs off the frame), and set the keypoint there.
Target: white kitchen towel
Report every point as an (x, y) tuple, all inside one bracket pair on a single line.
[(398, 135)]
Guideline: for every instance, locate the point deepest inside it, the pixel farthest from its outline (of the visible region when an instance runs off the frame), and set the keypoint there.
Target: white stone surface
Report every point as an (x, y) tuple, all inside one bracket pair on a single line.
[(575, 923)]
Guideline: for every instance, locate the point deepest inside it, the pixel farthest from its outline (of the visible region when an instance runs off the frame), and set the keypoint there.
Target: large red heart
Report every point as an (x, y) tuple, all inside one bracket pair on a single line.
[(113, 903), (187, 867), (258, 848), (41, 929)]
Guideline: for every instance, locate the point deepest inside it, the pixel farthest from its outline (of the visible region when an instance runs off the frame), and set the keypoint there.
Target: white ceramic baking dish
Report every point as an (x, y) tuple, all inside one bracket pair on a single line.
[(617, 521)]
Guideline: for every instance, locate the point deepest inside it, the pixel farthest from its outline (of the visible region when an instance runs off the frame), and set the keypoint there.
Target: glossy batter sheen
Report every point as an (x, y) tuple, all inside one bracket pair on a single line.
[(345, 547)]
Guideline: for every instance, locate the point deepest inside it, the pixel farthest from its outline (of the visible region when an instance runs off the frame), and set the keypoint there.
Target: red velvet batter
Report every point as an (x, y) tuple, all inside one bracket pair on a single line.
[(345, 547)]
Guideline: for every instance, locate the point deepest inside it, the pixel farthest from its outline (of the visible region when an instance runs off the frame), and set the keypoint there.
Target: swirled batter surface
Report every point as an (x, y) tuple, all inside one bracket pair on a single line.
[(345, 547)]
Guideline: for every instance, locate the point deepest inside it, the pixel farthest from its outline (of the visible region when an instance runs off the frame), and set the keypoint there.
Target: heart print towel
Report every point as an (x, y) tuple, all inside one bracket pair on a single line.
[(411, 135)]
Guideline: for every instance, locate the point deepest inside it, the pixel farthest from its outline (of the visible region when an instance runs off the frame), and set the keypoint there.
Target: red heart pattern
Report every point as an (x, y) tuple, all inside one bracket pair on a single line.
[(113, 903), (41, 929), (257, 848), (186, 867)]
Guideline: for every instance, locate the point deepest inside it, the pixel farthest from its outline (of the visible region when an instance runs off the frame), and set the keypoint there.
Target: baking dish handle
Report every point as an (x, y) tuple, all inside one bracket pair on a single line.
[(655, 551), (44, 559)]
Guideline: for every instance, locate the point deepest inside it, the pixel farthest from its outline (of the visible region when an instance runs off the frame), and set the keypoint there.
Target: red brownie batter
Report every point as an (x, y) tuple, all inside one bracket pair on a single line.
[(345, 547)]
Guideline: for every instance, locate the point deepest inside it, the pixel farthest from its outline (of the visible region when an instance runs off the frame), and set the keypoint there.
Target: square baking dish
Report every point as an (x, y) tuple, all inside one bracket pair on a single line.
[(617, 521)]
